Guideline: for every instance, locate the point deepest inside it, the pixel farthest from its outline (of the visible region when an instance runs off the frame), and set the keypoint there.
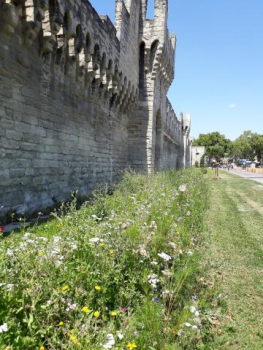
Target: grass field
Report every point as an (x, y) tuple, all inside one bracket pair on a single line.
[(164, 262), (234, 257)]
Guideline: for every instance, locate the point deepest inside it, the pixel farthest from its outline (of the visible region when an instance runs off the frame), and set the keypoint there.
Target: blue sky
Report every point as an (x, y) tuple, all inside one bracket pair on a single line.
[(219, 62)]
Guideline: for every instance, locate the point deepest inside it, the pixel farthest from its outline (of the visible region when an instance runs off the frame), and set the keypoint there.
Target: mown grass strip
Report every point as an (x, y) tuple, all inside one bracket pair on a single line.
[(234, 255)]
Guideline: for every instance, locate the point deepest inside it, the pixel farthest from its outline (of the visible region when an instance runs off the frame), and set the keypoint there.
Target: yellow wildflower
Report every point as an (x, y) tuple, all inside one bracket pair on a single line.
[(98, 288), (61, 323), (102, 244), (41, 348), (78, 344), (113, 313), (73, 338), (41, 253), (85, 309), (65, 288), (96, 314), (131, 346)]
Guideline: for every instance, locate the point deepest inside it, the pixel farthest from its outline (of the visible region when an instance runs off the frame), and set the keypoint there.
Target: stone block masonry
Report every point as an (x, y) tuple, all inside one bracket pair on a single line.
[(82, 99)]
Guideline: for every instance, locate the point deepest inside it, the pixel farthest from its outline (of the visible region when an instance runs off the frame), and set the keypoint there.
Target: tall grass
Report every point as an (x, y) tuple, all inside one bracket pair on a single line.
[(120, 273)]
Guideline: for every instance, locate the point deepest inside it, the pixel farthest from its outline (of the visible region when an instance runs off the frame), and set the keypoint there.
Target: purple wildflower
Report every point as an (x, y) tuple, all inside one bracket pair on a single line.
[(123, 309)]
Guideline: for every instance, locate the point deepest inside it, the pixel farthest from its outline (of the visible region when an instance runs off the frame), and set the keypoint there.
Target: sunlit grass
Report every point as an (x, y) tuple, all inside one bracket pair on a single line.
[(233, 255), (119, 273)]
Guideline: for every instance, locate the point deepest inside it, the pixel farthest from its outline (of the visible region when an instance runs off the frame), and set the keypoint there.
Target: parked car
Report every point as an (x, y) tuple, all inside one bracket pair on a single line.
[(242, 163)]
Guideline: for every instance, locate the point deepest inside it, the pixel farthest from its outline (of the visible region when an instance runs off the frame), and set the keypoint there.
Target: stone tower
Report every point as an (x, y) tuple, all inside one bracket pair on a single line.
[(156, 73)]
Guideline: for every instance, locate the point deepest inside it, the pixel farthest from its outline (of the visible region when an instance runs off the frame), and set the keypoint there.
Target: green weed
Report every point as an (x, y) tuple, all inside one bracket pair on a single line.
[(119, 273)]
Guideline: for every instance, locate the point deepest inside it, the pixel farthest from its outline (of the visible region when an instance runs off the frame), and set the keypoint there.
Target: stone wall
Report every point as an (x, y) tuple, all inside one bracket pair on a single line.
[(172, 138), (197, 154), (82, 99)]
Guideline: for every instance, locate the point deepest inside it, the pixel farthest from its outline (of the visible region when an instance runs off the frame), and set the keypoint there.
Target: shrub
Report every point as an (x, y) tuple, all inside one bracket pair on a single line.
[(202, 161)]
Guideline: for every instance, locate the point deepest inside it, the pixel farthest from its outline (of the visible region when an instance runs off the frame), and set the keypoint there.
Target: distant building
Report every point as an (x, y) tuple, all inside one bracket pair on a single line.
[(197, 153)]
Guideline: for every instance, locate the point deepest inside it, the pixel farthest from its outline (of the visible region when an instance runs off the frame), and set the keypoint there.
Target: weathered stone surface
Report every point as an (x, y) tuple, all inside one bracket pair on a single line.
[(197, 154), (82, 99)]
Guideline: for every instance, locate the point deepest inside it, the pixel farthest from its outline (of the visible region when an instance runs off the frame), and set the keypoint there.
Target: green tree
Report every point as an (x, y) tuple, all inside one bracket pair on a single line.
[(217, 145), (248, 146), (257, 144), (243, 146)]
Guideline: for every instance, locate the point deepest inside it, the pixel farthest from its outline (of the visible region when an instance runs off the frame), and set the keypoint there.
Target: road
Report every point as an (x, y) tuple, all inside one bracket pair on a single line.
[(248, 175)]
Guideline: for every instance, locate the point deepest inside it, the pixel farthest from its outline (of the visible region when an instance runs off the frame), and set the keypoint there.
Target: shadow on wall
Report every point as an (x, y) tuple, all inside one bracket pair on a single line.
[(158, 141), (138, 121)]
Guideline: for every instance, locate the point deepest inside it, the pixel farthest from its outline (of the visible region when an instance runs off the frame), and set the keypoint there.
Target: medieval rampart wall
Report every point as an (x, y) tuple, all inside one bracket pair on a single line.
[(70, 112), (61, 70)]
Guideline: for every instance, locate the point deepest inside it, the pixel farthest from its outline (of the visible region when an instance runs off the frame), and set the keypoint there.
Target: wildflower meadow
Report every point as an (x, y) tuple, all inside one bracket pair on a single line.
[(121, 272)]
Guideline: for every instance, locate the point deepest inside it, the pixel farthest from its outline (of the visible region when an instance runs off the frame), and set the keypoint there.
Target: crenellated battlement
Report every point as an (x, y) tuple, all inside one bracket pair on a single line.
[(160, 46), (89, 47), (172, 126), (82, 98), (85, 47)]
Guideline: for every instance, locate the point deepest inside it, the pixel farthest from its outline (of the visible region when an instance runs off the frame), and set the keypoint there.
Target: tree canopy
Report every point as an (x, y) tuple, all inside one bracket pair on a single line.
[(217, 145), (248, 146)]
